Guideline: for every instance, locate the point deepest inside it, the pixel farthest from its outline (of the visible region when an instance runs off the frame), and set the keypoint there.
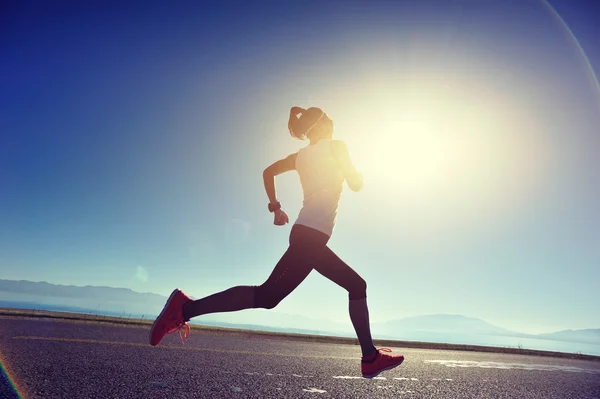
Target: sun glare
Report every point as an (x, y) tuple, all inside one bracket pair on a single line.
[(447, 155)]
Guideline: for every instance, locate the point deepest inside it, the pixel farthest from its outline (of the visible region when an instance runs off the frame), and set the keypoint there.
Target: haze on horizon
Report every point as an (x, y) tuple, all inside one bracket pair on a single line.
[(133, 143)]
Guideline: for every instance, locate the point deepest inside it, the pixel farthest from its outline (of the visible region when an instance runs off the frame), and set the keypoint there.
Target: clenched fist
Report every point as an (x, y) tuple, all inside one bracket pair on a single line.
[(280, 218)]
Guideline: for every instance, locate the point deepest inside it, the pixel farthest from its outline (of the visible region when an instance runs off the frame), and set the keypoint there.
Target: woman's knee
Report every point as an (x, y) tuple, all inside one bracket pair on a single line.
[(358, 289), (268, 303), (265, 300)]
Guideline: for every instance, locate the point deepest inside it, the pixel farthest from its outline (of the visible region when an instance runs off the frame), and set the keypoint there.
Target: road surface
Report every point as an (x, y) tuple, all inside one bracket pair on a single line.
[(64, 359)]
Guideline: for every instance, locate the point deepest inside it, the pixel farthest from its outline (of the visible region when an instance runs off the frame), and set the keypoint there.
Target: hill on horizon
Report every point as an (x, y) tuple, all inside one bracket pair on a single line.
[(124, 300), (43, 288)]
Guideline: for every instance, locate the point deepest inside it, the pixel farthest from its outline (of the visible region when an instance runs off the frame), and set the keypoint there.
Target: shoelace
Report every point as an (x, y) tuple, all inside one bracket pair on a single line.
[(385, 349), (186, 331)]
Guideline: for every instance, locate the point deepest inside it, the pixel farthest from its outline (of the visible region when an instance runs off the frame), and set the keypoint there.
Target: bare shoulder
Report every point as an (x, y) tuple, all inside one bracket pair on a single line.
[(290, 161), (292, 157), (283, 165)]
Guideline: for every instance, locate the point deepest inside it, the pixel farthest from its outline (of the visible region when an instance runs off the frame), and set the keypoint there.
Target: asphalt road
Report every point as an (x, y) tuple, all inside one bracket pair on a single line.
[(62, 359)]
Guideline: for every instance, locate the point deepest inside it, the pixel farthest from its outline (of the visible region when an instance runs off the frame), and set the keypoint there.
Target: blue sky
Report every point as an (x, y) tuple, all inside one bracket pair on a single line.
[(133, 140)]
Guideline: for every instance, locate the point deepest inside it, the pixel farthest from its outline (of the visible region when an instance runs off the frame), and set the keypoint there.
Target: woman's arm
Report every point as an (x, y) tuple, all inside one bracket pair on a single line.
[(279, 167), (342, 156)]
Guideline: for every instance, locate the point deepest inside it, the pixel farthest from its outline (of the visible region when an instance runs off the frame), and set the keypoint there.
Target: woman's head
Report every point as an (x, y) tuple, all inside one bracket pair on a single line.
[(311, 123)]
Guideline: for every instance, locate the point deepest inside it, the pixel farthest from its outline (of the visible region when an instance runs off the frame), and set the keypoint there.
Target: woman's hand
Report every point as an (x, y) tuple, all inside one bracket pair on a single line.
[(281, 218)]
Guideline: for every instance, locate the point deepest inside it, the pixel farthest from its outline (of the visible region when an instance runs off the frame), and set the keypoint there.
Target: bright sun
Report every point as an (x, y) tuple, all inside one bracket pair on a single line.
[(443, 153)]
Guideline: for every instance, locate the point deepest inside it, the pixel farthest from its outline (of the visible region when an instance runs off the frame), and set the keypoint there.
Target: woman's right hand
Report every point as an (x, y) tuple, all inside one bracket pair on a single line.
[(280, 218)]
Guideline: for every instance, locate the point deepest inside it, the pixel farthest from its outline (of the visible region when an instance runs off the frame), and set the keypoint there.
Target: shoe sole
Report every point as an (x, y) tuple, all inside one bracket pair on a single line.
[(161, 315), (382, 370)]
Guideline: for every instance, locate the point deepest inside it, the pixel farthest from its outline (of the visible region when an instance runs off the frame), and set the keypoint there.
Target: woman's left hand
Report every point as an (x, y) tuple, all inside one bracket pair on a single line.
[(280, 218)]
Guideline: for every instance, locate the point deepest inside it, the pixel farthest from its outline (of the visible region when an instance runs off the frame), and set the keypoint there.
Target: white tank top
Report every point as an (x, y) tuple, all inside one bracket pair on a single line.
[(322, 181)]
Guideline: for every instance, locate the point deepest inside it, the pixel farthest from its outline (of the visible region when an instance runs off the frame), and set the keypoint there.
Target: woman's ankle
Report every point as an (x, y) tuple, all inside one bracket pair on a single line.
[(186, 315), (369, 354)]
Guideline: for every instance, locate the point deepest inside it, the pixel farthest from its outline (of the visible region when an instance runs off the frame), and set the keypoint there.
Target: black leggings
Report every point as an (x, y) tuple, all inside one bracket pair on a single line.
[(307, 251)]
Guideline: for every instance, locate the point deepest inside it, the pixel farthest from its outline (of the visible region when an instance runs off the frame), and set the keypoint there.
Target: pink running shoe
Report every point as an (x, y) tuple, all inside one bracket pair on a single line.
[(171, 318), (381, 362)]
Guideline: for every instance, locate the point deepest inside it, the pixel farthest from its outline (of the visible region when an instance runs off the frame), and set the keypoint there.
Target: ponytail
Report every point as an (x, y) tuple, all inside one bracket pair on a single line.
[(294, 123)]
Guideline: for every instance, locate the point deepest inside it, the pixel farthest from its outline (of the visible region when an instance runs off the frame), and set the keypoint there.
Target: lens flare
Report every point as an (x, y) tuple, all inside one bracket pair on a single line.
[(589, 68), (10, 381)]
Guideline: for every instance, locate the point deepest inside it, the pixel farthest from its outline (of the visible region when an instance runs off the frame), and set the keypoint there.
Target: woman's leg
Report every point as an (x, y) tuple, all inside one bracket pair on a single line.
[(230, 300), (293, 267), (336, 270)]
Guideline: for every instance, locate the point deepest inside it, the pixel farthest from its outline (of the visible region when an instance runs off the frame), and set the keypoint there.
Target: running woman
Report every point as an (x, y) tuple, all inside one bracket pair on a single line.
[(323, 166)]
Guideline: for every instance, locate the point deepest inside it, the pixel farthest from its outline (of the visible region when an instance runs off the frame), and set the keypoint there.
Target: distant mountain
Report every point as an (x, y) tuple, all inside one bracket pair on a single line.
[(126, 302), (590, 336), (71, 291), (99, 299), (440, 323)]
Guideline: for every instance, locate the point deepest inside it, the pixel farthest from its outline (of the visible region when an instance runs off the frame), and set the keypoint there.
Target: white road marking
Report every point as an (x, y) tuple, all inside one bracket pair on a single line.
[(509, 366), (314, 390)]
